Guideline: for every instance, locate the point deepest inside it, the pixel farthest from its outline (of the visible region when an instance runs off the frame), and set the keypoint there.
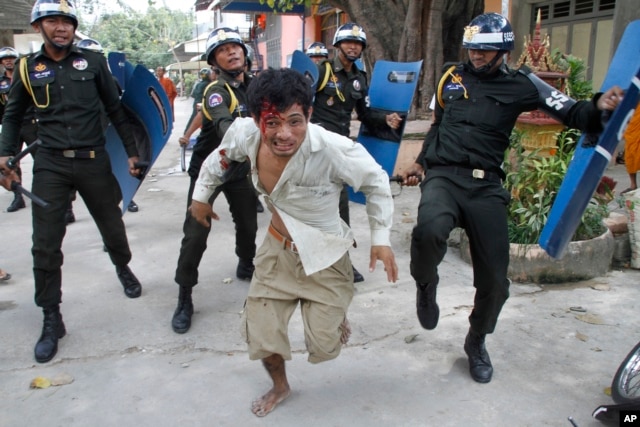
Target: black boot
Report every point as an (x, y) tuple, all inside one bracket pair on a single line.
[(245, 269), (426, 305), (480, 366), (181, 321), (52, 330), (18, 202), (130, 283)]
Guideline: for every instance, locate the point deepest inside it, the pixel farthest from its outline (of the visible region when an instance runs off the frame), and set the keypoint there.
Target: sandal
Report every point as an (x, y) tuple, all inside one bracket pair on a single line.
[(4, 276), (628, 189)]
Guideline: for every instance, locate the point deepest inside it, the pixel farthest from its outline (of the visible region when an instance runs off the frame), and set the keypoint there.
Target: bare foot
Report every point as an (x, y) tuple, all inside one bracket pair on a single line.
[(268, 402), (346, 331)]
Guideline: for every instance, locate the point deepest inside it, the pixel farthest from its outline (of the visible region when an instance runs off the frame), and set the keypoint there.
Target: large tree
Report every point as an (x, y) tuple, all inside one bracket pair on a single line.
[(147, 38), (410, 30)]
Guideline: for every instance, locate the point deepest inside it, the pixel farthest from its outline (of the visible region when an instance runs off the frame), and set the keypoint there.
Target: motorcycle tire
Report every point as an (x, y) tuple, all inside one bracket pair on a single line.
[(625, 387)]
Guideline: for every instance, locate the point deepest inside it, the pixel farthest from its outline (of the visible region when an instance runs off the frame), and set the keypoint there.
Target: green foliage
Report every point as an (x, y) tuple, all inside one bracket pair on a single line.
[(284, 5), (534, 180), (148, 38), (190, 80), (578, 87)]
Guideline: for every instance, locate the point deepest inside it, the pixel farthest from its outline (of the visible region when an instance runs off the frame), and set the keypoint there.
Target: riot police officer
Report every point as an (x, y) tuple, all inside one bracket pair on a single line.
[(346, 89), (317, 51), (224, 100), (72, 154), (29, 129), (462, 155)]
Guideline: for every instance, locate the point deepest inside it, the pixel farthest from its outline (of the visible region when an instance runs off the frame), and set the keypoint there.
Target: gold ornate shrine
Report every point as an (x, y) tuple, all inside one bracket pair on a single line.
[(539, 130)]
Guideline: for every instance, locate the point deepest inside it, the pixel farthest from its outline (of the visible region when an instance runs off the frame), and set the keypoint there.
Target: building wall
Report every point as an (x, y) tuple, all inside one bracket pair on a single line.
[(592, 37)]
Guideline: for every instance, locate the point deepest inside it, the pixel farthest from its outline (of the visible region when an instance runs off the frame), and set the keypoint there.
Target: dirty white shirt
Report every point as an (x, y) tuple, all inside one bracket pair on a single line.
[(307, 194)]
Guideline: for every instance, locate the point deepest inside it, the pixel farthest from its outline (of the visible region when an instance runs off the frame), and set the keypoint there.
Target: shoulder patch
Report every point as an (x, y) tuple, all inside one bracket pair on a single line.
[(214, 100)]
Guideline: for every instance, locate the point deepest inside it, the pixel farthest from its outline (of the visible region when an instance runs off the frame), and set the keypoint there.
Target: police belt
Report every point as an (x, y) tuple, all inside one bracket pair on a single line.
[(473, 173), (77, 153)]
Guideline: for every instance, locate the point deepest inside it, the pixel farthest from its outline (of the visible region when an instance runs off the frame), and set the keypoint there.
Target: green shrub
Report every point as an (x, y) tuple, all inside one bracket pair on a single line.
[(190, 80), (534, 180)]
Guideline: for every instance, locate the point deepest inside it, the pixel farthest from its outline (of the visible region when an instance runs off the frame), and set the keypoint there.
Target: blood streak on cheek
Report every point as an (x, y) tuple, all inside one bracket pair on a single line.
[(269, 111)]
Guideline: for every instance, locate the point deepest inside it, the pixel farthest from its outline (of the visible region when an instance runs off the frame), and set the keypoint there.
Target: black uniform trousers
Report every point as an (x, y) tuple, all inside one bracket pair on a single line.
[(480, 207), (28, 134), (54, 176), (242, 199)]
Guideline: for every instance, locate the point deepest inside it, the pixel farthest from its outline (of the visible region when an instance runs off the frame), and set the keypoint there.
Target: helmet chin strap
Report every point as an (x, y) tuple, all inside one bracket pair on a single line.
[(349, 57), (58, 46), (485, 69), (233, 74)]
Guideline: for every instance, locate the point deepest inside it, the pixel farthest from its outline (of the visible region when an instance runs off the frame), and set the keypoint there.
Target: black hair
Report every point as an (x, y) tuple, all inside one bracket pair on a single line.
[(282, 88)]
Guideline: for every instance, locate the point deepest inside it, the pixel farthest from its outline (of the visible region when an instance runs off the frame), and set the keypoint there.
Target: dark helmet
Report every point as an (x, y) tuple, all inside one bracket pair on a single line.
[(205, 73), (489, 31), (221, 36), (350, 31), (44, 8), (317, 49), (8, 52), (90, 44)]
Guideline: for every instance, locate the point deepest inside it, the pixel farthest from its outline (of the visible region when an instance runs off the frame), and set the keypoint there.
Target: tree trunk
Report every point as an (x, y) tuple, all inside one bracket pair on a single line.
[(410, 30)]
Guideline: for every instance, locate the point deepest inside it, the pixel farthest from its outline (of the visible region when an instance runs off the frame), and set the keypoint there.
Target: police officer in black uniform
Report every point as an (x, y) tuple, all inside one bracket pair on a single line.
[(8, 57), (223, 101), (29, 130), (342, 88), (69, 217), (462, 156), (71, 89), (317, 51)]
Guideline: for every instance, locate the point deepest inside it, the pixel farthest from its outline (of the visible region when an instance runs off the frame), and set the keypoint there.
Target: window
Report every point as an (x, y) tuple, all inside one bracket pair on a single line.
[(584, 6), (561, 10), (607, 5), (552, 11)]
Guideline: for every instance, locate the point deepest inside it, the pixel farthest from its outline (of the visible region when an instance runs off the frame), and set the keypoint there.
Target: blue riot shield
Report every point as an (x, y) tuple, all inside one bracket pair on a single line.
[(391, 91), (589, 162), (150, 114), (120, 68), (302, 63)]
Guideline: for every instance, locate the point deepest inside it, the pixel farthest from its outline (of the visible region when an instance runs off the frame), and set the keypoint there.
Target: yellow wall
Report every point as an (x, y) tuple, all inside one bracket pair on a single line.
[(493, 6)]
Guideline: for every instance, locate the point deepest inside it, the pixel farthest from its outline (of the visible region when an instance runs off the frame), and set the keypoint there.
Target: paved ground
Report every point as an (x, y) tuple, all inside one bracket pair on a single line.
[(129, 368)]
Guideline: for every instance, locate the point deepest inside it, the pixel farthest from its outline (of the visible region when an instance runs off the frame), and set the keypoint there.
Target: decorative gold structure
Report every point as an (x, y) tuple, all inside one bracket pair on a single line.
[(539, 130)]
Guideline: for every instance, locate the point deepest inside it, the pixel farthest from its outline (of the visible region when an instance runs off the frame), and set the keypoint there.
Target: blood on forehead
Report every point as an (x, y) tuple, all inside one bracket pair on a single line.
[(267, 112)]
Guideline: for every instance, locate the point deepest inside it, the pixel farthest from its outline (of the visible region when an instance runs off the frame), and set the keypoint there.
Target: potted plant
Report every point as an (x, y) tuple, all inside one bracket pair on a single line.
[(533, 182)]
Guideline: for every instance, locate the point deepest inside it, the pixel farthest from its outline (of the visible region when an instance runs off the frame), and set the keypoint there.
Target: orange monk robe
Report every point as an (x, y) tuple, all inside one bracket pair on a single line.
[(632, 143), (170, 90)]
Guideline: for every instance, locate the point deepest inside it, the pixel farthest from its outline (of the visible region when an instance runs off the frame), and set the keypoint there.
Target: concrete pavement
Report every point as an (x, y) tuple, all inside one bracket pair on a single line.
[(555, 350)]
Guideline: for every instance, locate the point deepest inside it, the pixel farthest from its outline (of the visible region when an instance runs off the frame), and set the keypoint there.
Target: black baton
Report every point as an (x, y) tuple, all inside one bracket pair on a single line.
[(12, 163), (15, 186)]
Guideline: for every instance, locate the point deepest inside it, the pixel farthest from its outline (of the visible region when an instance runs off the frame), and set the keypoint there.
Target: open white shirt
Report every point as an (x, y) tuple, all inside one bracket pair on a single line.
[(307, 194)]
